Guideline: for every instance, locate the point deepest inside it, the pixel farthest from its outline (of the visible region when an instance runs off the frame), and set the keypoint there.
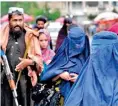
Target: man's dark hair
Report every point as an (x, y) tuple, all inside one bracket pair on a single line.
[(41, 18), (14, 12)]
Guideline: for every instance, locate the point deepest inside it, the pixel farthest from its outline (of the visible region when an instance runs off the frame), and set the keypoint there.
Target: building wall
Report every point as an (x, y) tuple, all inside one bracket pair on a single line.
[(62, 6), (80, 7)]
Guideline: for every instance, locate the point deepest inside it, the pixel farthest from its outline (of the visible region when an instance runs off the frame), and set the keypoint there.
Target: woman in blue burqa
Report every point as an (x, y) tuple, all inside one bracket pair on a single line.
[(97, 84), (68, 60)]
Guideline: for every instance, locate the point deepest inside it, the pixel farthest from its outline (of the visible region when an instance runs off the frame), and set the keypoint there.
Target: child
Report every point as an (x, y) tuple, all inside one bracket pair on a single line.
[(44, 41), (47, 53)]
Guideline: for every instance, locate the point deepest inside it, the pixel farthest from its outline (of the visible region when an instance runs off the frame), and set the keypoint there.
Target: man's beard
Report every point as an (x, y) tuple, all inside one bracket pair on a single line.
[(17, 33), (40, 28)]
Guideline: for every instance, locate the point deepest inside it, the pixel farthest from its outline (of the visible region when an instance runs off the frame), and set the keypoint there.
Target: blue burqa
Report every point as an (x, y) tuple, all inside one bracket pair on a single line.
[(70, 57), (97, 84)]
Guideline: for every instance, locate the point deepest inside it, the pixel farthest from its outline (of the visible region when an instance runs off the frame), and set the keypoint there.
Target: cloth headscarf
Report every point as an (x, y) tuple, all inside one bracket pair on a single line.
[(97, 84), (70, 57), (114, 28), (62, 33), (47, 54)]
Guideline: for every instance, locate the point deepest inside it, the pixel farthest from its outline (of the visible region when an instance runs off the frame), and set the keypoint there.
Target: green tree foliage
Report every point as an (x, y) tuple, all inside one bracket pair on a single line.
[(30, 8), (114, 10), (5, 6), (27, 6), (50, 14), (54, 15), (91, 17)]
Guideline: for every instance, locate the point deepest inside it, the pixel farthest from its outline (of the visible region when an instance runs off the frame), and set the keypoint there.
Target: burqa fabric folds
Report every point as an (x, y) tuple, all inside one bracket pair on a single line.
[(97, 84), (70, 57)]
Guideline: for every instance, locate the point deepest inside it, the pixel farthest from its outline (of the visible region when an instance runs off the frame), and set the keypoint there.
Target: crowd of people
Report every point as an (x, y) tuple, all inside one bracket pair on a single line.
[(88, 74)]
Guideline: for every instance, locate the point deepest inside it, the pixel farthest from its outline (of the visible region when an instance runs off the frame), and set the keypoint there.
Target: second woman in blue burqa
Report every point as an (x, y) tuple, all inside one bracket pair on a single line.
[(97, 84)]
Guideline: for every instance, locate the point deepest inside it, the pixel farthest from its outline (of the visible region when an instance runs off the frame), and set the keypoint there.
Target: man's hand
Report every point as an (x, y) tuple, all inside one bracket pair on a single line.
[(23, 64), (73, 77), (33, 76)]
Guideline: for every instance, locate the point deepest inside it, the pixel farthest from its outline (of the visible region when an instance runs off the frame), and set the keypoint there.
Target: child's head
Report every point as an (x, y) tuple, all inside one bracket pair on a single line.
[(44, 39)]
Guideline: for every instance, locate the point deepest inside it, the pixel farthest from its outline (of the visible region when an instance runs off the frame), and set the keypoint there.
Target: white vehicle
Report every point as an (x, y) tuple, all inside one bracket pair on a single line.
[(54, 28)]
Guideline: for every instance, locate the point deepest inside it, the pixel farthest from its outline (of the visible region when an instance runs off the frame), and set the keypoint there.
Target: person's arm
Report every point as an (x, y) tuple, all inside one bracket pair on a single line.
[(33, 75), (65, 76), (39, 62), (73, 77), (35, 54), (23, 64), (56, 78)]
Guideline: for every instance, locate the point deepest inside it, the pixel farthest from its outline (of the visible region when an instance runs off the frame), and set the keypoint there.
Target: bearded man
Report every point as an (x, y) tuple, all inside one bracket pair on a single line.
[(16, 39)]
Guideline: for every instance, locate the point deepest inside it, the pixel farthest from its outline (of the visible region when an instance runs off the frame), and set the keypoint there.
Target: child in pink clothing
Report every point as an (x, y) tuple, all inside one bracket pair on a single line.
[(47, 53), (44, 41)]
